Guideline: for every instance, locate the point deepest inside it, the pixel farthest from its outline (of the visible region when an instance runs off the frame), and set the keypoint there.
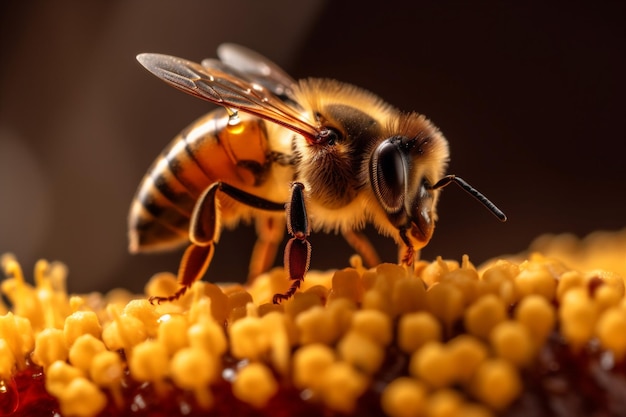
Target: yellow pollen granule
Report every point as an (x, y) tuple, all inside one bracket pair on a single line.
[(238, 299), (341, 386), (361, 352), (341, 310), (432, 364), (84, 349), (377, 300), (249, 338), (80, 323), (578, 314), (500, 272), (172, 332), (465, 278), (611, 330), (194, 369), (606, 297), (50, 347), (255, 385), (404, 397), (415, 329), (219, 302), (538, 316), (146, 313), (466, 353), (610, 279), (445, 301), (408, 295), (17, 335), (567, 281), (444, 403), (346, 284), (107, 371), (309, 364), (59, 375), (536, 277), (208, 336), (149, 361), (7, 360), (373, 324), (482, 316), (496, 383), (81, 398), (316, 325), (281, 334), (301, 302), (511, 341), (433, 272)]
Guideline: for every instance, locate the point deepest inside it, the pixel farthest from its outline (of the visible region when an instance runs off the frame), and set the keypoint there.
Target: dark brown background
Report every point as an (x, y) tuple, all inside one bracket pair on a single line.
[(529, 94)]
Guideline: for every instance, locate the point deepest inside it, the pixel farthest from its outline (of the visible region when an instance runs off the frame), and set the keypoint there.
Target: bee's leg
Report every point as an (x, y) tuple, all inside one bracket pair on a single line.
[(203, 233), (298, 249), (407, 253), (270, 228), (361, 244), (193, 265), (270, 231)]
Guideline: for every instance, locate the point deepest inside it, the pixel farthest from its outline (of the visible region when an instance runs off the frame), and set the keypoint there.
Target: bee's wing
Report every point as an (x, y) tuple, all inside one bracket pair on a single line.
[(228, 89), (212, 64), (257, 68), (285, 93)]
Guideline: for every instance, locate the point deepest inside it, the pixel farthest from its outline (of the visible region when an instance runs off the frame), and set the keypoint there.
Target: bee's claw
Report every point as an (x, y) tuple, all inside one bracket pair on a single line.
[(158, 300)]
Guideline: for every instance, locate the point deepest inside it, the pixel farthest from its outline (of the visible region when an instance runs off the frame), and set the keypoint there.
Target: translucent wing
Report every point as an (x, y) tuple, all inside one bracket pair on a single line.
[(283, 92), (212, 64), (226, 88), (257, 68)]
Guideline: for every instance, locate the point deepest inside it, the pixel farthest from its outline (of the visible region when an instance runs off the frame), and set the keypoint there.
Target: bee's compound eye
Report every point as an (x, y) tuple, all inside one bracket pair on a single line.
[(388, 171)]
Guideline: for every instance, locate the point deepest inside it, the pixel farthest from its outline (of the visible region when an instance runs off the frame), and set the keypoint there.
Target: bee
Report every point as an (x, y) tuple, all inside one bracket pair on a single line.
[(314, 154)]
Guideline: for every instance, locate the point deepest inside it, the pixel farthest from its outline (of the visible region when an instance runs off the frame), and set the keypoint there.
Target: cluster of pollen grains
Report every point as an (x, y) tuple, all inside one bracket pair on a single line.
[(442, 339)]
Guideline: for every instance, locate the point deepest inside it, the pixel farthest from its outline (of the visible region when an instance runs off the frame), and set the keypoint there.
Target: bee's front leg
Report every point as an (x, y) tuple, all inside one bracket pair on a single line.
[(298, 249), (406, 253)]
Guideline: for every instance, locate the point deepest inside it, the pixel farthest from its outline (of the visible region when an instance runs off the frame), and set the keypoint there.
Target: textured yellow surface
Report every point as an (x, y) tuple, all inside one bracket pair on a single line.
[(468, 333)]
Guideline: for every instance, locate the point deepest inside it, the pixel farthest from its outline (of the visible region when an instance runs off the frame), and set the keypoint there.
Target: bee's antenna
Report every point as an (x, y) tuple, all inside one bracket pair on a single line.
[(473, 192)]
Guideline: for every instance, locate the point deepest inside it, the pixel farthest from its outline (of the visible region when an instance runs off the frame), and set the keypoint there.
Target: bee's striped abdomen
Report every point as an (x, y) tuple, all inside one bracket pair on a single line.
[(200, 155)]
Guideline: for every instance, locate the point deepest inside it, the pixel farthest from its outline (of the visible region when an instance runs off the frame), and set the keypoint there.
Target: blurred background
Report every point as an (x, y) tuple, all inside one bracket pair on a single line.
[(531, 96)]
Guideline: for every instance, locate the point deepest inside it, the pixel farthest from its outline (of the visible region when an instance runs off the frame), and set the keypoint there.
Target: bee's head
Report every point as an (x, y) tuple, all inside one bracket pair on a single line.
[(402, 170)]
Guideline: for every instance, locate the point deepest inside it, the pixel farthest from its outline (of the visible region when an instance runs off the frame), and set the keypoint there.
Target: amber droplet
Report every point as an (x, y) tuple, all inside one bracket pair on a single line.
[(9, 397)]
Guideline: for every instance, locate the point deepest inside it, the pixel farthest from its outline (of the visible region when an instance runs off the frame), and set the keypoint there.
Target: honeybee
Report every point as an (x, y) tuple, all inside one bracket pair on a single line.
[(314, 154)]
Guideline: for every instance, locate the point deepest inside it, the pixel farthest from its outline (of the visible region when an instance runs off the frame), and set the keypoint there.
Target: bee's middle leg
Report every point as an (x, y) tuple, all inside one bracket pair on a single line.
[(270, 231), (361, 244)]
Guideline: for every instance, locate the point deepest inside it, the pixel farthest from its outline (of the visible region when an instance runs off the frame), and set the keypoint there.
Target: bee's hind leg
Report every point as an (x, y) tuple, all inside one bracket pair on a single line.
[(193, 265), (203, 233)]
